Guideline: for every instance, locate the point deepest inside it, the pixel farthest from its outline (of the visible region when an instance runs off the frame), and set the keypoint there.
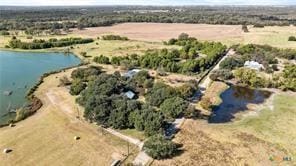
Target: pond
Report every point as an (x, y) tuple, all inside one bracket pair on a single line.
[(19, 71), (235, 99)]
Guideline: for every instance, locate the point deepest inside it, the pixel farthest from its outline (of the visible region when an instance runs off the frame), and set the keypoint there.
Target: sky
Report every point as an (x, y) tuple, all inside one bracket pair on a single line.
[(142, 2)]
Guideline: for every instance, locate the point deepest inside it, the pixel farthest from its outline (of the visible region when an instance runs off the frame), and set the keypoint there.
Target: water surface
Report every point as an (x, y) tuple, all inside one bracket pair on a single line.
[(19, 71), (235, 99)]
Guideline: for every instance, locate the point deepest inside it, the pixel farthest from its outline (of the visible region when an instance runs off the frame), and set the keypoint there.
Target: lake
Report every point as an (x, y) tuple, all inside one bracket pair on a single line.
[(19, 71), (235, 99)]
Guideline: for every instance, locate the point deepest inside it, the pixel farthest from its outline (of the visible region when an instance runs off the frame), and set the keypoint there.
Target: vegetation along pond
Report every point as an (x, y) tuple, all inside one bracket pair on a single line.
[(19, 71), (235, 99)]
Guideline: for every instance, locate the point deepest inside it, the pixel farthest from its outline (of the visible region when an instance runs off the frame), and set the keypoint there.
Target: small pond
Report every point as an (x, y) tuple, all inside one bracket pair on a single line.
[(19, 71), (235, 99)]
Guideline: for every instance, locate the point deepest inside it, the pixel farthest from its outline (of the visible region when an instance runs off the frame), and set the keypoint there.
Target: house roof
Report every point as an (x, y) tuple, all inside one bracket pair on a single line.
[(253, 65), (130, 94)]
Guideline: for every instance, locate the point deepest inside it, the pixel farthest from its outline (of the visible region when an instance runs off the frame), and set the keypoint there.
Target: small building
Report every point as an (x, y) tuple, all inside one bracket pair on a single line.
[(130, 94), (131, 73), (253, 65)]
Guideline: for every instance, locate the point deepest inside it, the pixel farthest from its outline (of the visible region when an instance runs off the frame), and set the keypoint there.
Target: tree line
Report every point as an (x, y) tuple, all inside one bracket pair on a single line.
[(42, 44), (67, 17)]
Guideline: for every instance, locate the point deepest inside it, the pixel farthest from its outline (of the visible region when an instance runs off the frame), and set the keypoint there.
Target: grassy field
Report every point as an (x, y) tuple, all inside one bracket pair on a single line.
[(48, 136), (264, 138), (275, 123)]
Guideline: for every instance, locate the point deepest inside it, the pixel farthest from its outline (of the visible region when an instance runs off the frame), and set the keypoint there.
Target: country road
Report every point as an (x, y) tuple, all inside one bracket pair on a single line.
[(206, 82)]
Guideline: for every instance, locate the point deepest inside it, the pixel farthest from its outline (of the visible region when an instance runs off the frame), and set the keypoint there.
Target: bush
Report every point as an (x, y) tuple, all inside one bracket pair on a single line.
[(231, 63), (86, 73), (22, 114), (102, 59), (77, 86), (223, 74), (206, 103), (249, 77), (160, 148), (292, 38)]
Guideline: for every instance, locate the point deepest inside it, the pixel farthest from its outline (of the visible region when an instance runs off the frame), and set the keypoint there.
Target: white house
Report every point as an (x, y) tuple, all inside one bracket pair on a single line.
[(253, 65), (131, 73)]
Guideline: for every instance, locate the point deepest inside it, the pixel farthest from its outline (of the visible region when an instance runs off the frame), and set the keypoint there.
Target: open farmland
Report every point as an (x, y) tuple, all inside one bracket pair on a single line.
[(228, 34)]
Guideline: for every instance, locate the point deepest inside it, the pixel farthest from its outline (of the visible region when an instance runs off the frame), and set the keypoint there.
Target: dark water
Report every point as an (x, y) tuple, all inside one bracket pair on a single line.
[(19, 71), (234, 100)]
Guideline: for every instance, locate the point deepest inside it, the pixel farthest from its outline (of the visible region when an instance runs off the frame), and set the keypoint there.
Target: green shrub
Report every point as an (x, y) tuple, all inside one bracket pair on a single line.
[(77, 86), (160, 148), (102, 59)]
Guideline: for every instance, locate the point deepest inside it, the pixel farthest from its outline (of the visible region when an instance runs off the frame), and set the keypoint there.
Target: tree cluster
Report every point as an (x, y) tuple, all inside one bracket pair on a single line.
[(114, 37), (106, 104), (185, 60)]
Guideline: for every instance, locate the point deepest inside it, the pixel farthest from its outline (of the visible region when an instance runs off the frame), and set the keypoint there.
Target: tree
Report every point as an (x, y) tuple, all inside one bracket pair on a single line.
[(249, 77), (158, 93), (183, 36), (173, 107), (160, 148), (289, 75), (292, 38), (245, 28), (187, 90)]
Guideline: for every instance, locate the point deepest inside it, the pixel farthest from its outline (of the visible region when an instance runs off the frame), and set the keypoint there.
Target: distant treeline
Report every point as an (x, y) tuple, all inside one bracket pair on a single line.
[(42, 44), (80, 17)]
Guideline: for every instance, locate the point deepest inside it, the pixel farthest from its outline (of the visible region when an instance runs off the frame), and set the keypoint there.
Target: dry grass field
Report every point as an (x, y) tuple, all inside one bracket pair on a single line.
[(98, 47), (228, 34), (48, 136)]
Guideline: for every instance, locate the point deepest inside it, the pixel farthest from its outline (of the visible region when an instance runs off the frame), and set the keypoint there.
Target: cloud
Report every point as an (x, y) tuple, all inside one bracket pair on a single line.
[(144, 2)]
